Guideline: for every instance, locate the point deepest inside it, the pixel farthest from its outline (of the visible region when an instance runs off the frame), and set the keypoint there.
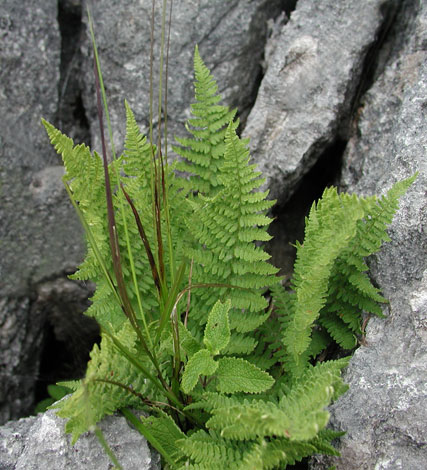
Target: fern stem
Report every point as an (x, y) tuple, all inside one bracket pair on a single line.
[(166, 186), (148, 435), (154, 271), (113, 235), (160, 383), (107, 448)]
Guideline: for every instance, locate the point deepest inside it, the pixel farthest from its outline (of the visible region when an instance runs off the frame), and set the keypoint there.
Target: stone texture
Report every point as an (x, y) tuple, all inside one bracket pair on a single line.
[(40, 237), (20, 344), (231, 37), (39, 234), (43, 338), (40, 443), (314, 70), (385, 410)]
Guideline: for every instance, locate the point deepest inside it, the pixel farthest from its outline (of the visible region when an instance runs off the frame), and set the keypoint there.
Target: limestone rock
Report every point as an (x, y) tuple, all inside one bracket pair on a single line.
[(40, 442), (39, 235), (312, 79), (385, 410), (231, 37)]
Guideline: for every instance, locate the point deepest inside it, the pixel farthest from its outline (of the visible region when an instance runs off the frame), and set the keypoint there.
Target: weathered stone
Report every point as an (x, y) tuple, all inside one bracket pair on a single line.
[(20, 343), (312, 79), (385, 410), (231, 37), (40, 442), (40, 236)]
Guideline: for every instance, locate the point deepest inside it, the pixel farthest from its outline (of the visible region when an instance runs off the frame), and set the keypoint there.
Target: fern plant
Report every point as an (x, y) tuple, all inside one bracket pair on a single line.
[(187, 332)]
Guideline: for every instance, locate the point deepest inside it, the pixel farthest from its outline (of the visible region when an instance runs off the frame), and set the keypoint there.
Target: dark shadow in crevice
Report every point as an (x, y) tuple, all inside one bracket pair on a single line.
[(288, 6), (288, 225), (71, 116), (373, 63), (267, 22), (68, 334)]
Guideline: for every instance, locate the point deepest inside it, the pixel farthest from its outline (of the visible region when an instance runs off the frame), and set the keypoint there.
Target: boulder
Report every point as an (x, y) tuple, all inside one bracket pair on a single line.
[(40, 442), (231, 37), (385, 410), (316, 66), (40, 237)]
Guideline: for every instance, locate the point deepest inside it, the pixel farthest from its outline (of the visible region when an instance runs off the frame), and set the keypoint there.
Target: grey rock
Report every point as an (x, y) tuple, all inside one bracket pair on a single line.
[(40, 442), (385, 410), (40, 237), (20, 343), (57, 307), (314, 70), (231, 37), (38, 223)]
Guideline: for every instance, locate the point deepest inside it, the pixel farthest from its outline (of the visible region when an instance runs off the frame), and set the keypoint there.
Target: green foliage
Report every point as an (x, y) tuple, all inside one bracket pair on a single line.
[(187, 332), (204, 150), (56, 392), (330, 284)]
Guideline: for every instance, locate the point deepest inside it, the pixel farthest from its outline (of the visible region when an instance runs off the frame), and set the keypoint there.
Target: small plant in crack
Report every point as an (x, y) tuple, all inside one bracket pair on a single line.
[(188, 333)]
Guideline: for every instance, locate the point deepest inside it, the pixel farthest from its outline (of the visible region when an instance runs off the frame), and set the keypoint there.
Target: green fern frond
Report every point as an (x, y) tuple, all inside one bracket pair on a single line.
[(225, 251), (166, 433), (329, 228), (83, 171), (203, 152), (240, 344), (138, 154), (97, 396), (202, 447)]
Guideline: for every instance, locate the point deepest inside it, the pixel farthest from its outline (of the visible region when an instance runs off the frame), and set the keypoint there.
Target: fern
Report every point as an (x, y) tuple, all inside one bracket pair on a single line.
[(224, 228), (204, 150), (187, 332), (330, 285), (98, 395)]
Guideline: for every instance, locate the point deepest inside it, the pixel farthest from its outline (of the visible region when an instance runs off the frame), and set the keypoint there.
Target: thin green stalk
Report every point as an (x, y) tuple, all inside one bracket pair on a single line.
[(101, 83), (166, 186), (166, 84), (171, 300), (112, 227), (107, 448), (128, 388), (147, 434), (176, 348), (164, 161), (93, 244), (160, 383)]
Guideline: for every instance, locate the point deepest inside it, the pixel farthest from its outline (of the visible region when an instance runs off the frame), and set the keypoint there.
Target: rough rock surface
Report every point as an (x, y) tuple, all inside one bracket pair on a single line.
[(231, 37), (39, 235), (40, 443), (314, 72), (35, 214), (385, 410)]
